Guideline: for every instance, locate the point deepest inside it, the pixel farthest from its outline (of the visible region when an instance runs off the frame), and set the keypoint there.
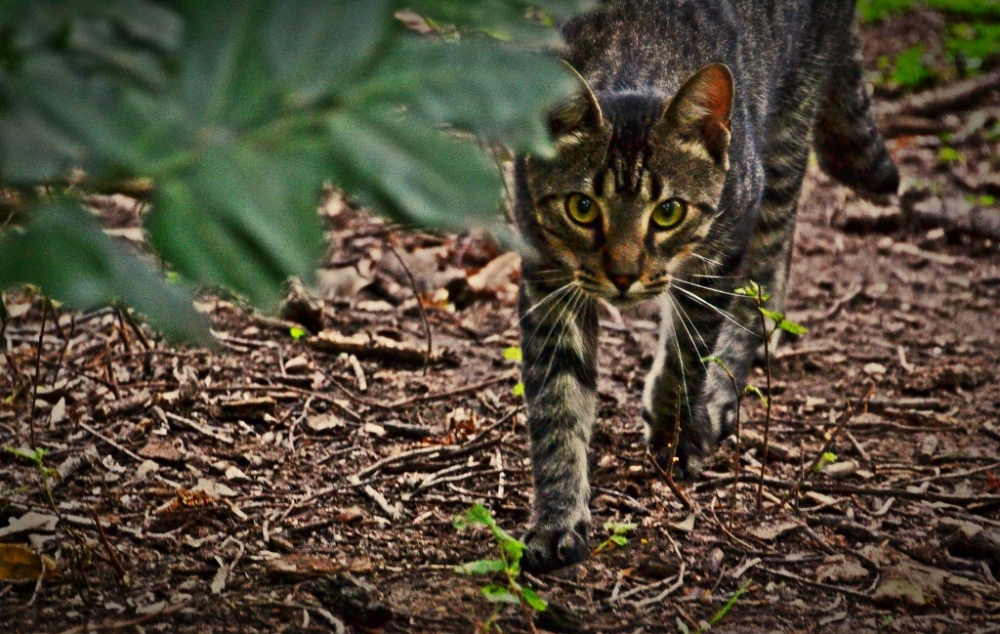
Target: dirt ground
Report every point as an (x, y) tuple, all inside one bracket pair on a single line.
[(278, 484)]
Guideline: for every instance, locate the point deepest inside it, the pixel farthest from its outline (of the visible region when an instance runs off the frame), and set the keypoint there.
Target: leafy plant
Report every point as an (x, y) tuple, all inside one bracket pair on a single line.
[(617, 538), (878, 10), (705, 626), (911, 68), (975, 42), (826, 458), (949, 156), (237, 113), (509, 591), (756, 292)]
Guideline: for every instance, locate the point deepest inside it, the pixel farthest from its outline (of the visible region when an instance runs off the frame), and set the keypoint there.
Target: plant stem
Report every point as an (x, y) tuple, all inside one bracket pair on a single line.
[(767, 406)]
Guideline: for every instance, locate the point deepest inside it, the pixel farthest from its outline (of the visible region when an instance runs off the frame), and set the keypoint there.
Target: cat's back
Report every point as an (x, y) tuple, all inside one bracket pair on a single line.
[(653, 45)]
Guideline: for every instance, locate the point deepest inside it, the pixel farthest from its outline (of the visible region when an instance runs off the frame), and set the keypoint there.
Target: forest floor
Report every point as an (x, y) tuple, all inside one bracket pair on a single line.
[(276, 484)]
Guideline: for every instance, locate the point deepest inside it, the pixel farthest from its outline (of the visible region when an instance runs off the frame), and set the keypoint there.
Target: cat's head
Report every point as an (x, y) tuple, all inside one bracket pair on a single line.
[(634, 185)]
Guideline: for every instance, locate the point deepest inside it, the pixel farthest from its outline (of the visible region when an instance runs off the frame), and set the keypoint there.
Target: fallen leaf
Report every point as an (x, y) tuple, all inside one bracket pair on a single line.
[(18, 563), (771, 532)]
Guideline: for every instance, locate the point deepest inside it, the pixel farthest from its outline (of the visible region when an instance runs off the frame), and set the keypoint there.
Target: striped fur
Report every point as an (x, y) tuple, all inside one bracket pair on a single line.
[(713, 103)]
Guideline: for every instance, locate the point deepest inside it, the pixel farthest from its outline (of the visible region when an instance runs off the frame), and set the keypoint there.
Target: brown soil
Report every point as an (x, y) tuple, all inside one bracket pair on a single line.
[(238, 489)]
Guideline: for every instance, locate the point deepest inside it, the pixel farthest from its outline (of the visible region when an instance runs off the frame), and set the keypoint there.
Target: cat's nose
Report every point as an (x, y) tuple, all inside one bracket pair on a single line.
[(623, 282)]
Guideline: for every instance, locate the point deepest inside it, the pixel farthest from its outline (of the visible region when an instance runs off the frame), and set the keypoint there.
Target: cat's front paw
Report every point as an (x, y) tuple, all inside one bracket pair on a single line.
[(550, 546)]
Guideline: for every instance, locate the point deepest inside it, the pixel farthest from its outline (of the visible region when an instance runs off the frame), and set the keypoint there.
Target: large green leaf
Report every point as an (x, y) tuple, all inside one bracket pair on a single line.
[(242, 218), (477, 84), (65, 253), (408, 170)]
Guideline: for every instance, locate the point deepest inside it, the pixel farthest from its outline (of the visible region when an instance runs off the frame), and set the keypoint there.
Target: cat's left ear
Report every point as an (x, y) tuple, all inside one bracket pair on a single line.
[(704, 106)]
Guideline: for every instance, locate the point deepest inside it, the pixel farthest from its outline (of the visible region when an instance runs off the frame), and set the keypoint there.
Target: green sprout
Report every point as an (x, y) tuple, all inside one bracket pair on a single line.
[(617, 538), (509, 591), (828, 457), (513, 353), (296, 332)]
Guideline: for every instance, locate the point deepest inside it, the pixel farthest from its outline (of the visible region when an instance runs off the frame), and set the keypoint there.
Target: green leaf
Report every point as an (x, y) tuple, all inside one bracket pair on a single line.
[(518, 389), (479, 514), (481, 567), (65, 253), (296, 332), (618, 540), (240, 204), (406, 169), (911, 70), (792, 327), (35, 455), (537, 603), (755, 391), (512, 353), (776, 317), (495, 593), (475, 84)]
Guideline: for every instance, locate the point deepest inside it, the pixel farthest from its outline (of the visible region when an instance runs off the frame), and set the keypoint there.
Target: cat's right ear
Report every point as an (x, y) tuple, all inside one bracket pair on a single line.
[(579, 113), (704, 106)]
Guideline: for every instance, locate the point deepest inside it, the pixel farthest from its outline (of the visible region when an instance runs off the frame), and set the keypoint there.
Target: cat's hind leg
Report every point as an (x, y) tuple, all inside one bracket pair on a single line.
[(559, 348), (848, 143)]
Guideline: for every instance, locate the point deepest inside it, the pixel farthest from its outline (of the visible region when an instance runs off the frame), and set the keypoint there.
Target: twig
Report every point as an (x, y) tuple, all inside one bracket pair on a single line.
[(820, 487), (38, 367), (198, 427), (122, 573), (420, 304), (443, 395), (846, 418), (676, 490), (948, 97), (667, 592), (117, 446), (818, 584), (124, 625)]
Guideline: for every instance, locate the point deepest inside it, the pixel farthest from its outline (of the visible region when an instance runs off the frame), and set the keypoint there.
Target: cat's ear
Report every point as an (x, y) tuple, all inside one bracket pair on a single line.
[(703, 106), (581, 112)]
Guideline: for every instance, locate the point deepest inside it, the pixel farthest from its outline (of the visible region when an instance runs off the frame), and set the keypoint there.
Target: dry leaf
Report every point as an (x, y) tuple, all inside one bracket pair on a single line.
[(18, 563)]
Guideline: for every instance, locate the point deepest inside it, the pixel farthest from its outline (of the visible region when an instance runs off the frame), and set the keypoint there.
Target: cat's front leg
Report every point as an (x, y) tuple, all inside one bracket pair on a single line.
[(559, 347)]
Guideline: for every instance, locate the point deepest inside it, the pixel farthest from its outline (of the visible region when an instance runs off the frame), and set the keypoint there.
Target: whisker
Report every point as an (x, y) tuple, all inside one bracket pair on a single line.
[(707, 304), (548, 297), (682, 314), (709, 260), (709, 288)]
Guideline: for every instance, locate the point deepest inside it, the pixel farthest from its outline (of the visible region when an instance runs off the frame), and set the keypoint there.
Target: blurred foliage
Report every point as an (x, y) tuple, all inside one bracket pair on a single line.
[(912, 68), (238, 112), (975, 42), (878, 10)]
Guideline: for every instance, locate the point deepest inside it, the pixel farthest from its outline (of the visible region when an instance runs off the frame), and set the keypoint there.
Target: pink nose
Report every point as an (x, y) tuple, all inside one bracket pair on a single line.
[(623, 282)]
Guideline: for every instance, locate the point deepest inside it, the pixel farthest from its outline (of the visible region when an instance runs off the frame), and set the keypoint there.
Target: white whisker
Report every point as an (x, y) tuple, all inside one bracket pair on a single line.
[(707, 304)]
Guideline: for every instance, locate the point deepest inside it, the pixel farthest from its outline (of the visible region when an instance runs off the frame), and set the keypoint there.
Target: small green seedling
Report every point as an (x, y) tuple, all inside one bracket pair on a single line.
[(296, 332), (518, 389), (508, 592), (723, 611), (753, 390), (617, 538), (513, 353), (828, 457), (949, 155), (37, 455)]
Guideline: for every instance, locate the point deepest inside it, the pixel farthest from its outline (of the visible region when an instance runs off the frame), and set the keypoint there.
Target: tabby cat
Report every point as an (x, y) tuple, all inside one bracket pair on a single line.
[(676, 178)]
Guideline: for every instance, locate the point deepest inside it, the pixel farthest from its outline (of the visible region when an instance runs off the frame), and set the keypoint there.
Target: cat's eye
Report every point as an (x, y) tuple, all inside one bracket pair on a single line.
[(669, 213), (582, 209)]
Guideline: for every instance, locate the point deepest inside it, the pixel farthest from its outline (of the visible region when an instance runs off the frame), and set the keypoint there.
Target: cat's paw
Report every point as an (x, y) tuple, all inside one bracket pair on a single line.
[(550, 546)]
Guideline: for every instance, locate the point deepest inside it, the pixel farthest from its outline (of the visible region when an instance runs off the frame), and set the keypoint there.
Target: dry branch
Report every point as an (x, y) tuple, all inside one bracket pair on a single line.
[(367, 346), (944, 99)]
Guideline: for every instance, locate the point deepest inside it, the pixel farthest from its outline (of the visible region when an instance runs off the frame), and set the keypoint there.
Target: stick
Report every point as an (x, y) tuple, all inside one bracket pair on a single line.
[(38, 366), (420, 304), (846, 418)]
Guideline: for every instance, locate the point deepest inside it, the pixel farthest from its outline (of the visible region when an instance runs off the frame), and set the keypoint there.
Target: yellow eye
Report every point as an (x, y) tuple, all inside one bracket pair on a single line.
[(669, 213), (582, 209)]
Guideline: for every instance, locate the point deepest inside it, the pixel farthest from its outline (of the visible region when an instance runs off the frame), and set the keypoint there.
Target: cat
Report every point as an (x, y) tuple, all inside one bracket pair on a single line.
[(675, 178)]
